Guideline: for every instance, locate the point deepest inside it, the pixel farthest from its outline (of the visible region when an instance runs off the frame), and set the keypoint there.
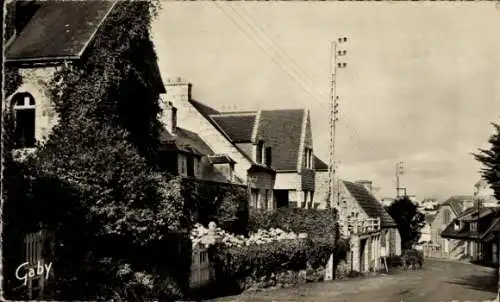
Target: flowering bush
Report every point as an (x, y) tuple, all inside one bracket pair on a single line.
[(209, 236)]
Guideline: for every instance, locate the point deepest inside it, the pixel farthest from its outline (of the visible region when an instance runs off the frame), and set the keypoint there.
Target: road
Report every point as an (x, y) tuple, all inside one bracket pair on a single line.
[(437, 281)]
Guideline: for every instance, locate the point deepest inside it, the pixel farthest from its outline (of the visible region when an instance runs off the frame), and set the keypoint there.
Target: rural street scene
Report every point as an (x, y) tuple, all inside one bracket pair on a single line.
[(250, 151)]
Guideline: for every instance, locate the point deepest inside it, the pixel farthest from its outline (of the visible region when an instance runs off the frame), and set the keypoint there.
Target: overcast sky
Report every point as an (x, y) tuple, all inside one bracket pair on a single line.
[(421, 83)]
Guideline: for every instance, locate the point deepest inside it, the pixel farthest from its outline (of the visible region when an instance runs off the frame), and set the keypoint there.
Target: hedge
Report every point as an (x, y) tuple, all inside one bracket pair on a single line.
[(316, 223), (276, 263)]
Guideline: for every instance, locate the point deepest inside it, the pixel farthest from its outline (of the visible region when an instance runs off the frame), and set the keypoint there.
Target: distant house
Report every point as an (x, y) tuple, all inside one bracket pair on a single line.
[(476, 227), (426, 232), (184, 153), (232, 150), (446, 213), (358, 207)]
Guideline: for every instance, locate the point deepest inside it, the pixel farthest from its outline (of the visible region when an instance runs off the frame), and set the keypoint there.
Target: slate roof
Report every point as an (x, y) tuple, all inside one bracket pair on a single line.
[(456, 203), (59, 30), (320, 165), (370, 204), (203, 109), (238, 127), (185, 140), (489, 223), (281, 130), (220, 159)]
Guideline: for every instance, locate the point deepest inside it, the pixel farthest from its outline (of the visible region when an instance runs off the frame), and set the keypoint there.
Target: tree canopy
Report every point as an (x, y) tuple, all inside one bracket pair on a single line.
[(409, 220), (490, 158)]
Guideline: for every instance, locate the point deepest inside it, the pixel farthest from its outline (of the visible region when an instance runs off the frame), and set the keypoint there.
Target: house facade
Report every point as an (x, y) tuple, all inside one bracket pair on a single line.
[(475, 228), (445, 214), (235, 151), (37, 61), (426, 232), (370, 228)]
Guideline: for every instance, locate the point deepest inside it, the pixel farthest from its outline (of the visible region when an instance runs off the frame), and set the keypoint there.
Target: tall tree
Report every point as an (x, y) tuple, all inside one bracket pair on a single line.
[(490, 158), (409, 220)]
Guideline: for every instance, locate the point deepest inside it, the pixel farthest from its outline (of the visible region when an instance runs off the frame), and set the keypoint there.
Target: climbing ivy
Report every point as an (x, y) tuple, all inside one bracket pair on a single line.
[(100, 160)]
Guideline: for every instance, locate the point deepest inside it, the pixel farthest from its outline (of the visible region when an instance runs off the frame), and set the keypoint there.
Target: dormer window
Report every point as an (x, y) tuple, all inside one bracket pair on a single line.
[(24, 120)]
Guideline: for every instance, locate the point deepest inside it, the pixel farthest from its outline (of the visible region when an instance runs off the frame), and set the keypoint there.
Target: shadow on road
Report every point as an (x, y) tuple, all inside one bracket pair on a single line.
[(483, 282)]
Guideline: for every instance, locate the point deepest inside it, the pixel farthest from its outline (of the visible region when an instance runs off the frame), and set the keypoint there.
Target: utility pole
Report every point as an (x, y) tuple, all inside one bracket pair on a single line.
[(333, 116), (399, 172)]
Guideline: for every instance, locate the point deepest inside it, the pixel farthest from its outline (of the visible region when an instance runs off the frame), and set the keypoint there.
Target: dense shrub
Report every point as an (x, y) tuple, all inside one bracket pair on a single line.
[(277, 263), (316, 223), (239, 267), (412, 257), (224, 204)]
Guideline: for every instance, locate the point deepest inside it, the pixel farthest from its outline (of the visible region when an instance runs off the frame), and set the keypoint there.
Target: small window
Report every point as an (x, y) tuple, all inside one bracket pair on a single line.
[(260, 153), (182, 165), (269, 157), (308, 162), (255, 197), (196, 167), (24, 120)]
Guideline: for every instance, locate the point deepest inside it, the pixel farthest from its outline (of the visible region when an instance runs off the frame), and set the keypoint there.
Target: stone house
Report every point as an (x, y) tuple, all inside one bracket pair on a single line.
[(446, 213), (38, 48), (232, 149), (41, 38), (47, 36), (370, 228)]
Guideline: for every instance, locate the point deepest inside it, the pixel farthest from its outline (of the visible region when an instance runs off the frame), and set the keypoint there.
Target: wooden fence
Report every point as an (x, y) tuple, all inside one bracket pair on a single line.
[(201, 270), (38, 248)]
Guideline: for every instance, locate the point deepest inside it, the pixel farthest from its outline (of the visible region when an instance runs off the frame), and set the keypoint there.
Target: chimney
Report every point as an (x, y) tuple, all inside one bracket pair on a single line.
[(178, 90), (367, 184), (170, 117)]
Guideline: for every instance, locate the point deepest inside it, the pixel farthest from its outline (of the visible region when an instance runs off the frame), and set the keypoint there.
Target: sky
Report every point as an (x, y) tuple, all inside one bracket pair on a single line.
[(421, 83)]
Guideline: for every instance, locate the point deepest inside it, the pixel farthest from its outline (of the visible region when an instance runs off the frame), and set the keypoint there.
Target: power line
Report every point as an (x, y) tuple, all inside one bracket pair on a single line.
[(290, 66), (303, 74)]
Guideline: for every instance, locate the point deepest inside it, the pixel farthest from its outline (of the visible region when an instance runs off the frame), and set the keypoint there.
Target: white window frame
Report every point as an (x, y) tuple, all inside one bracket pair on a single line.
[(25, 106)]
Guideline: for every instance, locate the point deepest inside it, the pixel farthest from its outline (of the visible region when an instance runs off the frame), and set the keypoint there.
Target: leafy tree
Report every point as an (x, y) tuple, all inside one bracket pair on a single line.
[(490, 158), (409, 220)]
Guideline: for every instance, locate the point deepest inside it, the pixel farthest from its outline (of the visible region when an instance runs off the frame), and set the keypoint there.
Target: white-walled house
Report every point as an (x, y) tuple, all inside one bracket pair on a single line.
[(235, 147), (276, 144)]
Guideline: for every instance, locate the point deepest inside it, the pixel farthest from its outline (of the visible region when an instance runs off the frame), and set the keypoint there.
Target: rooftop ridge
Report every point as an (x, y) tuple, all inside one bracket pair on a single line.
[(234, 113)]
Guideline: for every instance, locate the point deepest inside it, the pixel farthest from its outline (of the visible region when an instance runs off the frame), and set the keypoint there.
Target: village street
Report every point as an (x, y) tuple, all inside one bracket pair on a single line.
[(437, 281)]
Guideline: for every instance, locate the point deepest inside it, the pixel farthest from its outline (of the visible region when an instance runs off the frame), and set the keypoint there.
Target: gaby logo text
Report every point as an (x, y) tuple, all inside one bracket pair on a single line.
[(25, 272)]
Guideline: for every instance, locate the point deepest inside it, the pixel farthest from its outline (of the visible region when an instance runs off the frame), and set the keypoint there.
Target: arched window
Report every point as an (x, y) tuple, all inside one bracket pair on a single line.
[(24, 120)]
